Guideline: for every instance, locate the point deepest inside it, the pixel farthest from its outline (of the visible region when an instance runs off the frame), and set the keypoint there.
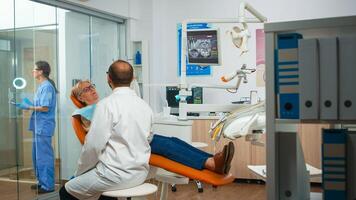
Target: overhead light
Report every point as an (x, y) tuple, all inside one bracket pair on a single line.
[(243, 122), (240, 36)]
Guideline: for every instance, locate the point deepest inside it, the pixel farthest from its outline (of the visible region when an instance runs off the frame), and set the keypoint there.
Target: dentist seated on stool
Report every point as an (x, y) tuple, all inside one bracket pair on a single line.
[(116, 151), (170, 147)]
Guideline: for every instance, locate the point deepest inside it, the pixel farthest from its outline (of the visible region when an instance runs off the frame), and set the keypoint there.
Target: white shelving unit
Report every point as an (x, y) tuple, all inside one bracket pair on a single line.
[(141, 71), (285, 174)]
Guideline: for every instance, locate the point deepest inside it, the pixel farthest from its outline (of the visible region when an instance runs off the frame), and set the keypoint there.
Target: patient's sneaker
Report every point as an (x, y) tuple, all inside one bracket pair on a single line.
[(230, 155), (220, 160)]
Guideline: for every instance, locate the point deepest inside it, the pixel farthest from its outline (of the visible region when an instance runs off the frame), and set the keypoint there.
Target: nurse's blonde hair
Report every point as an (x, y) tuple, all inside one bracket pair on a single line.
[(77, 90)]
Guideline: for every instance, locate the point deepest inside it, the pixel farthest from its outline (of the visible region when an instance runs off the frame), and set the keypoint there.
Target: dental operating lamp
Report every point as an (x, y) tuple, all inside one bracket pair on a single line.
[(248, 121)]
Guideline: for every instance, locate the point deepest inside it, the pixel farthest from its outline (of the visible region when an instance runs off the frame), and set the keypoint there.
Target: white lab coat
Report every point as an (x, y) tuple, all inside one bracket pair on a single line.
[(116, 148), (135, 87)]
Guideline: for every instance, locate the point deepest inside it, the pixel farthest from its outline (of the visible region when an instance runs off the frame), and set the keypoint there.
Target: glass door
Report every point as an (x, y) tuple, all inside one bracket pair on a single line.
[(76, 46), (74, 62), (105, 47), (31, 36), (34, 44), (8, 145)]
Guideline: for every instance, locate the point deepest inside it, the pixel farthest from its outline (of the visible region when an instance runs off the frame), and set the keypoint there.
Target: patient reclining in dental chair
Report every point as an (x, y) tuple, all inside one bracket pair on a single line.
[(84, 96)]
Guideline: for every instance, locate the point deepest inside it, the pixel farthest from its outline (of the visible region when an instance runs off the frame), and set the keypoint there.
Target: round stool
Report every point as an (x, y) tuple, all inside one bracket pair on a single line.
[(138, 191)]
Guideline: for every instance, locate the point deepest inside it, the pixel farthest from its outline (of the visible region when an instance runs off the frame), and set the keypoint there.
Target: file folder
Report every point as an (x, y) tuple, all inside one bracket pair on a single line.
[(328, 78), (308, 57), (351, 165), (287, 76), (334, 164), (347, 77)]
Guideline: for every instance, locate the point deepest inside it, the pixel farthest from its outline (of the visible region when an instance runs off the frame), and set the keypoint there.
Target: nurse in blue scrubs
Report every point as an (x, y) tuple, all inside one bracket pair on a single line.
[(42, 124)]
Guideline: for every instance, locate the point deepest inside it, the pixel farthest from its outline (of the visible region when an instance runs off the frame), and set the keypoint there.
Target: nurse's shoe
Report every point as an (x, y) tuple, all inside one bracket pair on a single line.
[(43, 191), (35, 186)]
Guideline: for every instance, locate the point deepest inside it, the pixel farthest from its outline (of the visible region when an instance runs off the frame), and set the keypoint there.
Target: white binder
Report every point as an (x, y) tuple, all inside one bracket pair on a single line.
[(351, 165), (347, 77), (309, 78), (328, 78)]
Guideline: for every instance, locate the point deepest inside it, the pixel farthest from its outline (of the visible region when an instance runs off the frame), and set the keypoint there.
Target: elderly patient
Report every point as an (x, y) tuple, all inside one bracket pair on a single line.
[(169, 147)]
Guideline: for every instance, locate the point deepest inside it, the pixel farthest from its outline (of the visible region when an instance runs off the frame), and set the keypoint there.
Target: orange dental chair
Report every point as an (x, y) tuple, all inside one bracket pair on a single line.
[(205, 175)]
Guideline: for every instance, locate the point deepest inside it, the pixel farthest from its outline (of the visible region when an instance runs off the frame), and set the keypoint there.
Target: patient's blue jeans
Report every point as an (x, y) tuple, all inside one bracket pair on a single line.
[(179, 151)]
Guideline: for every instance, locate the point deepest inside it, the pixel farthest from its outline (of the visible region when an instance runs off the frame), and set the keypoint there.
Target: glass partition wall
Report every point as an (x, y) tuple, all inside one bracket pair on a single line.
[(77, 46)]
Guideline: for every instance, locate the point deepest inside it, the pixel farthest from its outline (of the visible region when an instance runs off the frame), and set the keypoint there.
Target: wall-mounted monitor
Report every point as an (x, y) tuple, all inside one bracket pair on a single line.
[(203, 47)]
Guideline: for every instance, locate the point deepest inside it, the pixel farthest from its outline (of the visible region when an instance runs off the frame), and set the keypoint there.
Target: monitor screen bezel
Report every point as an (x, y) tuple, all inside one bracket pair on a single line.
[(218, 48)]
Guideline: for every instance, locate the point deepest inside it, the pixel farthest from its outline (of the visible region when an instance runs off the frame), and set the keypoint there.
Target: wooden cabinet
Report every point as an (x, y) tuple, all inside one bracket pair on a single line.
[(249, 154), (310, 137)]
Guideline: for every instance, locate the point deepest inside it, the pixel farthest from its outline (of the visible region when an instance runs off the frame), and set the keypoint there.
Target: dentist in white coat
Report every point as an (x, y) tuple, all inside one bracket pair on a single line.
[(116, 151)]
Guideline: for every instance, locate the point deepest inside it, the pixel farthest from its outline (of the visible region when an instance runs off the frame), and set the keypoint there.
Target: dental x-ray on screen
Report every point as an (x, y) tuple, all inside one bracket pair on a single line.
[(203, 47)]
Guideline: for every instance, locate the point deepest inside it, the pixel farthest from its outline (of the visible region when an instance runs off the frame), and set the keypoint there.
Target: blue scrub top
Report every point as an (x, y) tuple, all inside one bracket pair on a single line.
[(43, 123)]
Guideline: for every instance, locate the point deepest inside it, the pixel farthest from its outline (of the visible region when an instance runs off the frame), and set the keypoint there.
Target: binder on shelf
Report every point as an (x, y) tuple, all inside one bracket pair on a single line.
[(328, 78), (347, 71), (287, 75), (308, 57), (334, 165), (351, 165)]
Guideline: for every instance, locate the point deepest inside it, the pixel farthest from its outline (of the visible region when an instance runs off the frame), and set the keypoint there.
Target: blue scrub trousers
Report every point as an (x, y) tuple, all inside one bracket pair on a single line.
[(43, 161), (179, 151)]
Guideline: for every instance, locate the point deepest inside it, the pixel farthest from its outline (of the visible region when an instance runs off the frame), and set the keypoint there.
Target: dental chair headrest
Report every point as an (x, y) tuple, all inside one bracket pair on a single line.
[(76, 121), (76, 101)]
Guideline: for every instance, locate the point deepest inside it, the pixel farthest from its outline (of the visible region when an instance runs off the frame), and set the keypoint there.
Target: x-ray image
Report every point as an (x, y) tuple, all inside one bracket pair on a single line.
[(200, 48), (203, 47)]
